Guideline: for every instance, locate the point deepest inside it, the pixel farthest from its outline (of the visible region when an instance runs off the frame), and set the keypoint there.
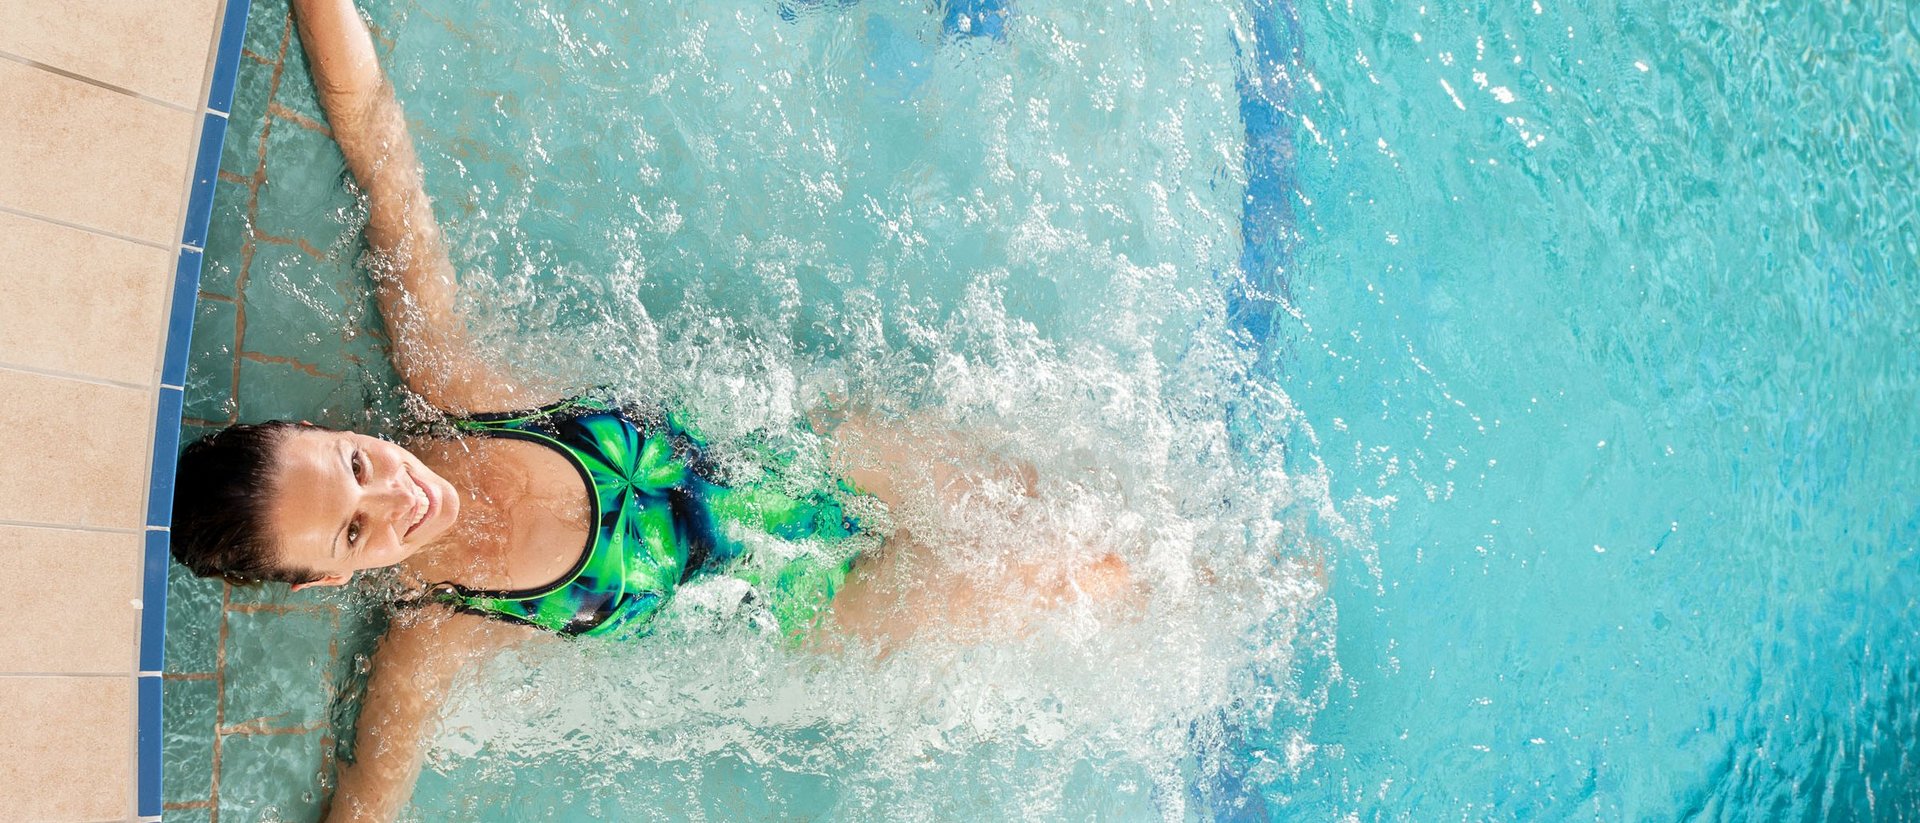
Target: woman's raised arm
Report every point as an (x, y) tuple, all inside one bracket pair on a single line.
[(414, 280), (413, 670)]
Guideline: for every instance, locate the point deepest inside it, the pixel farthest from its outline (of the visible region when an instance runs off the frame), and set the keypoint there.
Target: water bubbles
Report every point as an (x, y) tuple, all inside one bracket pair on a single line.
[(1025, 256)]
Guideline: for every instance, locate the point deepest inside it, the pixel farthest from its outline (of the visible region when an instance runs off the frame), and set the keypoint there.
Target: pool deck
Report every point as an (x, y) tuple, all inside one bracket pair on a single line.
[(109, 136)]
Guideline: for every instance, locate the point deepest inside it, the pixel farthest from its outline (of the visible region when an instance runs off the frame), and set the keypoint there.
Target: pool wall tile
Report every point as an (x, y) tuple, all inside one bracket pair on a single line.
[(193, 622), (187, 737), (81, 154), (69, 751), (265, 776), (259, 697), (209, 389), (302, 183), (157, 48), (55, 280), (38, 563), (240, 154)]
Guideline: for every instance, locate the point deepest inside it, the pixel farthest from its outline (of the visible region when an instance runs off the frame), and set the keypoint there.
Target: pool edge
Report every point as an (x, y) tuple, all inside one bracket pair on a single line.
[(169, 407)]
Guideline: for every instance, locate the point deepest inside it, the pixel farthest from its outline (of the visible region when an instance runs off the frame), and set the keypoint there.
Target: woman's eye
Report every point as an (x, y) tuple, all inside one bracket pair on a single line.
[(359, 466), (353, 534)]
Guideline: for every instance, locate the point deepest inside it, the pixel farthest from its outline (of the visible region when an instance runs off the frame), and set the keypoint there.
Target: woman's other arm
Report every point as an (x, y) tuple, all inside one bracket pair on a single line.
[(413, 670), (414, 279)]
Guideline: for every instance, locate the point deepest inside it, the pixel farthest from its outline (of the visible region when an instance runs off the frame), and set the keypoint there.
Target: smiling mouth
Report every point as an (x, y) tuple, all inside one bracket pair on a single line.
[(427, 504)]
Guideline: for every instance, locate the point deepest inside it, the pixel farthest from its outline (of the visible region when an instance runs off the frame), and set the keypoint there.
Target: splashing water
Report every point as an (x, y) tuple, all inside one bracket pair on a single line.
[(1019, 246)]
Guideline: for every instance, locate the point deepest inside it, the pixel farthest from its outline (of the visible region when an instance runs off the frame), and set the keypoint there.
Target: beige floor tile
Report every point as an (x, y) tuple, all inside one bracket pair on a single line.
[(68, 748), (155, 47), (83, 461), (80, 153), (38, 565), (79, 302)]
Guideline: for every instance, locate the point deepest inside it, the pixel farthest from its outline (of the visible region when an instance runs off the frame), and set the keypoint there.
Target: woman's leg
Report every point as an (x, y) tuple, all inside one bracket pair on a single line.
[(900, 461), (905, 595)]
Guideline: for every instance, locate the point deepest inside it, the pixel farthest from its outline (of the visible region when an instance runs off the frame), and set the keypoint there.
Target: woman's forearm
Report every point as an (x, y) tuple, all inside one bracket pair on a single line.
[(413, 669), (371, 129), (339, 49), (414, 279), (413, 672)]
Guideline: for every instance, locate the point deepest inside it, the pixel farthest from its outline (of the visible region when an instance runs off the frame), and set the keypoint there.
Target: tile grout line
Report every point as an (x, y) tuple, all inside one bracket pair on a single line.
[(153, 244), (78, 378), (51, 69), (28, 524)]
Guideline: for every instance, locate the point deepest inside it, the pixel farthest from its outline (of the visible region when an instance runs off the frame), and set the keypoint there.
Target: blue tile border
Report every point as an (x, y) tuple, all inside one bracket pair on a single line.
[(166, 449), (213, 133), (148, 779), (153, 603), (186, 297), (226, 63), (169, 405)]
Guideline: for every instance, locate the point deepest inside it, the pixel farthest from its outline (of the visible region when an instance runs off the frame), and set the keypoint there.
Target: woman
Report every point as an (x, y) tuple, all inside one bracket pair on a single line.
[(485, 529)]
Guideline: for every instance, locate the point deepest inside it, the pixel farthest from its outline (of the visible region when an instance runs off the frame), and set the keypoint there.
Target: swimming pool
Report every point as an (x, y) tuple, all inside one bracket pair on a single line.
[(1571, 345)]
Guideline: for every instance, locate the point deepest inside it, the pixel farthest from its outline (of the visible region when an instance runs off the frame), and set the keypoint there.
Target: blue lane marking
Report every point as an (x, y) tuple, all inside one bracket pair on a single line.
[(1266, 220), (1253, 306)]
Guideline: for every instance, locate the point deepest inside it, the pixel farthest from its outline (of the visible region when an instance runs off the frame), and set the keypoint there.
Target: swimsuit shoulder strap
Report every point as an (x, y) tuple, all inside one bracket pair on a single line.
[(535, 419)]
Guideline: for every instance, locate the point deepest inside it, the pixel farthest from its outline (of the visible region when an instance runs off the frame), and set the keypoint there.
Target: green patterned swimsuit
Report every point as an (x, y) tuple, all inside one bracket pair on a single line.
[(659, 522)]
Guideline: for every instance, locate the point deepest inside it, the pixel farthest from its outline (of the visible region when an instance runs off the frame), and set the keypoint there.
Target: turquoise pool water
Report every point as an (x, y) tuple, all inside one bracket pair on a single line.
[(1513, 411), (1613, 311)]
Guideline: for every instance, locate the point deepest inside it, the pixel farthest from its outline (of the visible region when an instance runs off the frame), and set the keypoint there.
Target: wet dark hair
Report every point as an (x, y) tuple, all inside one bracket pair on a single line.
[(220, 495)]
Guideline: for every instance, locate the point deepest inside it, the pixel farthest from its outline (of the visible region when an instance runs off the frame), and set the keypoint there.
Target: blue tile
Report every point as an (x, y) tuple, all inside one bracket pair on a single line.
[(149, 725), (166, 451), (153, 603), (186, 295), (206, 167), (226, 66)]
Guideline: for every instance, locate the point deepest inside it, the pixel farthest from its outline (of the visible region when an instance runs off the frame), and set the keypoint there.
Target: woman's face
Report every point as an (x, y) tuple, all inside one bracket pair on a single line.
[(342, 502)]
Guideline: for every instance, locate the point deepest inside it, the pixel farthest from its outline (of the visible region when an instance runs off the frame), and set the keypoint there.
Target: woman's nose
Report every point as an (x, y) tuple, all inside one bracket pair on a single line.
[(397, 493)]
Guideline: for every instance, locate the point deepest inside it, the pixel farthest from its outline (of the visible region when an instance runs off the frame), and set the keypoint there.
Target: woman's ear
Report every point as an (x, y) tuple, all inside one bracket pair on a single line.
[(329, 580)]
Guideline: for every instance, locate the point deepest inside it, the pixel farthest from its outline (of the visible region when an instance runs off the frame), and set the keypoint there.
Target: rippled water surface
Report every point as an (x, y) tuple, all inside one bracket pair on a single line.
[(1511, 412)]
